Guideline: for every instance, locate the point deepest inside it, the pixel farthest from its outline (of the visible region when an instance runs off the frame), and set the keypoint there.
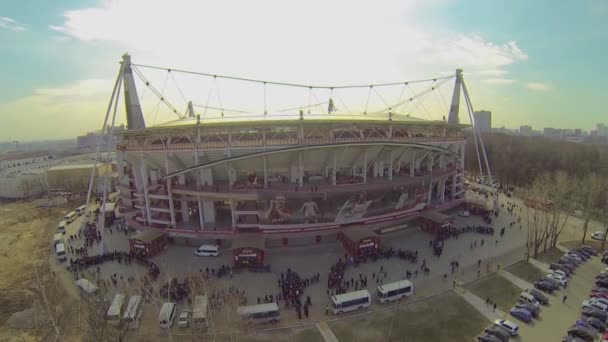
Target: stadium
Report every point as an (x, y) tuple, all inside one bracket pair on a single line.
[(285, 176)]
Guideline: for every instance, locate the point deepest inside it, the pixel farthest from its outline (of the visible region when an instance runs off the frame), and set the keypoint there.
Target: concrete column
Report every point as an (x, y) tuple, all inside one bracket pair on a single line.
[(200, 213), (209, 211), (265, 172), (413, 165), (430, 192), (171, 206), (431, 161), (442, 162), (232, 214), (333, 171), (442, 190), (144, 176), (184, 203), (462, 150), (364, 168), (300, 169), (390, 166)]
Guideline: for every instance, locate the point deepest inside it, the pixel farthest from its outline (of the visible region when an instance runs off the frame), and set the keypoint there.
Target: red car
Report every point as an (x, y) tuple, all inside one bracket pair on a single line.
[(598, 294)]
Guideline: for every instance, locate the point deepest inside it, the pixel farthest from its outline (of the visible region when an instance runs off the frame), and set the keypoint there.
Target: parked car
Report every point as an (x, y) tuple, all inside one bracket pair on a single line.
[(592, 312), (605, 337), (596, 323), (589, 249), (576, 256), (569, 338), (543, 286), (534, 310), (584, 324), (509, 326), (599, 235), (595, 305), (498, 332), (184, 319), (582, 333), (551, 282), (566, 265), (600, 300), (581, 254), (556, 266), (487, 338), (571, 260), (558, 272), (605, 260), (563, 282), (599, 289), (598, 294), (521, 314), (602, 283), (541, 298)]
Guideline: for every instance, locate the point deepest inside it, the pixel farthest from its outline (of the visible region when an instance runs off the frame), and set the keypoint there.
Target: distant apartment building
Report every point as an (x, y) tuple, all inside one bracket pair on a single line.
[(483, 120), (602, 130), (525, 130), (552, 132)]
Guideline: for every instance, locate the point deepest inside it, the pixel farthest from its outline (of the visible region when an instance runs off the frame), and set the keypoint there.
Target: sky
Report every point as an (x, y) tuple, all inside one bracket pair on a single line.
[(537, 63)]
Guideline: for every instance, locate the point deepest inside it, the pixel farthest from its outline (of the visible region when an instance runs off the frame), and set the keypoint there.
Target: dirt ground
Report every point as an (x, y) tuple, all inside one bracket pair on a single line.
[(25, 242), (497, 288), (525, 271)]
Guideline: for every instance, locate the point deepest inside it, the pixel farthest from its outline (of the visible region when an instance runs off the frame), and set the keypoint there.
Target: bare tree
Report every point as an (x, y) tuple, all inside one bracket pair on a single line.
[(590, 189)]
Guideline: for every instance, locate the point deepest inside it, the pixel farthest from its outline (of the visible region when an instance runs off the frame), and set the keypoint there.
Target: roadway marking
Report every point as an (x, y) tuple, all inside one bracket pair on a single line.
[(326, 332)]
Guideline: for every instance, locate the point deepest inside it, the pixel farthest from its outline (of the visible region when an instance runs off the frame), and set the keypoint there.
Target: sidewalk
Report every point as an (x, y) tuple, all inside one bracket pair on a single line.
[(539, 264), (486, 310), (517, 281)]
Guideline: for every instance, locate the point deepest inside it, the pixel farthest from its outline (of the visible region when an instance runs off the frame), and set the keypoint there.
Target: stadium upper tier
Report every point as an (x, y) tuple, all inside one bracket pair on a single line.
[(233, 132)]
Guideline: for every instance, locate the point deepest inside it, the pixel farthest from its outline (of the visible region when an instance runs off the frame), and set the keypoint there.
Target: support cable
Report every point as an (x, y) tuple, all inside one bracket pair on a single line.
[(149, 85), (208, 99), (474, 135), (177, 86), (217, 92), (265, 112), (286, 83), (369, 93), (161, 99), (483, 149)]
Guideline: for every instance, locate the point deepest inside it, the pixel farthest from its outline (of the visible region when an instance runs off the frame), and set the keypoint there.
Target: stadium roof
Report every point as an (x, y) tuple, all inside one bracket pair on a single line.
[(18, 155)]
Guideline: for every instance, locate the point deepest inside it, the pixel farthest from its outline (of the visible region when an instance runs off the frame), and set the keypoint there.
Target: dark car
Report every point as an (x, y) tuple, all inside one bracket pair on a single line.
[(550, 282), (596, 323), (569, 338), (498, 332), (543, 286), (572, 260), (541, 298), (599, 289), (530, 307), (602, 283), (605, 260), (521, 314), (567, 266), (601, 276), (581, 254), (601, 315), (487, 338), (582, 333), (568, 262), (589, 249)]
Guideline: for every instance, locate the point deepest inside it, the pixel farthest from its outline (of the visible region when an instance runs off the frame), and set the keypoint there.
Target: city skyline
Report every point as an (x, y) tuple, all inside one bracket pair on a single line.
[(526, 69)]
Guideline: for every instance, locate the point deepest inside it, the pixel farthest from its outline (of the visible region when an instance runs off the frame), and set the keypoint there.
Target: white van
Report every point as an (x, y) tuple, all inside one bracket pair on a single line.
[(166, 315), (350, 301), (260, 313), (132, 313), (394, 291), (57, 238), (528, 298), (207, 250), (70, 217), (81, 210), (60, 251), (61, 227), (114, 313), (199, 314)]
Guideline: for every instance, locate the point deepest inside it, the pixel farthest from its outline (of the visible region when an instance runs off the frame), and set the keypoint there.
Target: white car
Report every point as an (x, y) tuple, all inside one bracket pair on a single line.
[(597, 235), (600, 300), (464, 213), (595, 305), (563, 282), (559, 273), (509, 326), (207, 250), (184, 319)]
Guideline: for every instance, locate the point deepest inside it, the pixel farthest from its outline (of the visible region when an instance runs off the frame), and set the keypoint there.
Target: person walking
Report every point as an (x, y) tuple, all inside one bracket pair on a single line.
[(494, 306), (564, 298), (326, 310)]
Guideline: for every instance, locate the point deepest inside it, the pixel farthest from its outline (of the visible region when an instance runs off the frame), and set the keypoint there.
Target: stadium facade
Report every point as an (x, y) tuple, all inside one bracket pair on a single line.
[(291, 176)]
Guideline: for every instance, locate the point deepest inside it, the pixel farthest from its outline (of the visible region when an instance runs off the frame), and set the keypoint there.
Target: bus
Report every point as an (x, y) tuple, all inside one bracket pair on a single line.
[(199, 315), (70, 217), (60, 251), (166, 315), (260, 313), (350, 301), (115, 311), (61, 226), (394, 291), (81, 210), (132, 313)]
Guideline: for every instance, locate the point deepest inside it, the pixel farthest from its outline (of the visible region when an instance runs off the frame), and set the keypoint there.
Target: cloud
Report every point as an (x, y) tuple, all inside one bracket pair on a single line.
[(11, 24), (538, 86), (307, 41), (499, 80), (59, 112)]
